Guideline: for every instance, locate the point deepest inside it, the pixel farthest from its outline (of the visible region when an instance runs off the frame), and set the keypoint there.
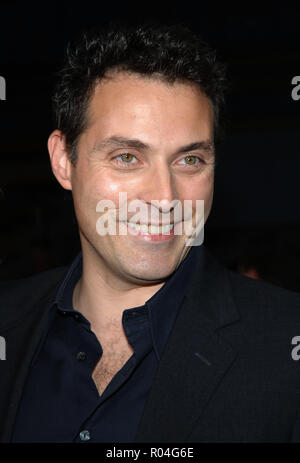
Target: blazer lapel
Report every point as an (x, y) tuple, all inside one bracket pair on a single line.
[(22, 332), (195, 359)]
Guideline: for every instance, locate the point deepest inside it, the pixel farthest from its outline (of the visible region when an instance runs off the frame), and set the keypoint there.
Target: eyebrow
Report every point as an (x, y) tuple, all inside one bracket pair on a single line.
[(118, 141)]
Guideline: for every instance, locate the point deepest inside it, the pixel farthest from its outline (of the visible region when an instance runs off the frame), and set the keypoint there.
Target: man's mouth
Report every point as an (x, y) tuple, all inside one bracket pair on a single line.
[(151, 229)]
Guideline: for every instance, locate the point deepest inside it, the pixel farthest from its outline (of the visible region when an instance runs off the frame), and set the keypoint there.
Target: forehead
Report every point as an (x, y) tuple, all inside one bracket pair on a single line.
[(133, 102)]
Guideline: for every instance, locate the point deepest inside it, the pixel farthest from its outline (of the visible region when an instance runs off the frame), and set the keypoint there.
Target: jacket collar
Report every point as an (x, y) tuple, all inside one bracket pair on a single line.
[(27, 306), (168, 297), (195, 359)]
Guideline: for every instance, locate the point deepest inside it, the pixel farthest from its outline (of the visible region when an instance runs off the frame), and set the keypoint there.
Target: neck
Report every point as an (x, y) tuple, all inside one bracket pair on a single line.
[(101, 297)]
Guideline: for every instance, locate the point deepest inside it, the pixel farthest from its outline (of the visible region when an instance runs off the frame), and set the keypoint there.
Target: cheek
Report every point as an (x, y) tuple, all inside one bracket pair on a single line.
[(84, 193), (92, 187), (87, 195), (208, 194), (203, 189)]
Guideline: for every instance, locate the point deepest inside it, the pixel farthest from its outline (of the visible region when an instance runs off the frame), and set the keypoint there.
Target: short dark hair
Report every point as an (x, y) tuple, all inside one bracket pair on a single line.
[(172, 53)]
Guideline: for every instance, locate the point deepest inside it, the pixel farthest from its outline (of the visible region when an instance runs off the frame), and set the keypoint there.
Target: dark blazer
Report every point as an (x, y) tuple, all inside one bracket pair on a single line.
[(226, 374)]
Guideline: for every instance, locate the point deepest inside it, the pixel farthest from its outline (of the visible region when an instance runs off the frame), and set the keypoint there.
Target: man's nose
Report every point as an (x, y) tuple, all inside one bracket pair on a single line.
[(161, 188)]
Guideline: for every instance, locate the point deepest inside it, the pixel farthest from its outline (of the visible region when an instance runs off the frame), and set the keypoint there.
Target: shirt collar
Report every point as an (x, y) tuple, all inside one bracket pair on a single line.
[(64, 296), (162, 307), (164, 304)]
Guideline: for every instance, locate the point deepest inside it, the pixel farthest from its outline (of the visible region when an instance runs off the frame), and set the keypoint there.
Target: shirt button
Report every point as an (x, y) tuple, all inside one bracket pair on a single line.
[(85, 435), (81, 356)]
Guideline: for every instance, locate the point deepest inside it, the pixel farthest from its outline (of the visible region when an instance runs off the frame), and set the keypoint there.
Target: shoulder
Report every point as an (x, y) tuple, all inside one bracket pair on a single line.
[(264, 298), (253, 298), (269, 328), (24, 293), (267, 314), (37, 281)]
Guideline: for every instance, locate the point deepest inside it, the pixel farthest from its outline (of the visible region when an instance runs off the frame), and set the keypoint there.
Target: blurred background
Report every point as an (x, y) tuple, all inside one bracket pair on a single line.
[(254, 227)]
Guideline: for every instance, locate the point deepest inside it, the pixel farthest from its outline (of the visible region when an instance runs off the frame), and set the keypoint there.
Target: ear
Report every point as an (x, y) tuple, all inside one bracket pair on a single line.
[(60, 163)]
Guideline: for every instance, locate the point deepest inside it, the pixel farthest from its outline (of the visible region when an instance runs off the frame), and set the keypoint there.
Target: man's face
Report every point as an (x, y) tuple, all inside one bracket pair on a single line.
[(163, 119)]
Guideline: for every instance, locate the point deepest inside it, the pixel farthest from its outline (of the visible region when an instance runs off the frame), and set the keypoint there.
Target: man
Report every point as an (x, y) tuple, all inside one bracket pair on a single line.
[(145, 337)]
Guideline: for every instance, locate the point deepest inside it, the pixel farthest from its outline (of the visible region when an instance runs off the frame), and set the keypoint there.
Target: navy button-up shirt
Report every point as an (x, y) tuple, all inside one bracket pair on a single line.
[(60, 401)]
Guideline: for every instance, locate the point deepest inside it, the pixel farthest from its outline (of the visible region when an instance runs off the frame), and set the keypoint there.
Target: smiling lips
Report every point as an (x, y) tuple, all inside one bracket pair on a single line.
[(151, 229), (151, 233)]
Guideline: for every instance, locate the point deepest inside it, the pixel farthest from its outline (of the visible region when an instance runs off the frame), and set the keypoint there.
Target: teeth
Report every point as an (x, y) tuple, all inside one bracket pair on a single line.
[(152, 229)]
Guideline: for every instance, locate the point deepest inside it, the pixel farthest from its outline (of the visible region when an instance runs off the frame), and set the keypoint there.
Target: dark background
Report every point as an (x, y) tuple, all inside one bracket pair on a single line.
[(255, 220)]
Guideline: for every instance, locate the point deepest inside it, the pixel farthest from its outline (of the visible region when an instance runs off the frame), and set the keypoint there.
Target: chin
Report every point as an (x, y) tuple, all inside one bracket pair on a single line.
[(154, 273)]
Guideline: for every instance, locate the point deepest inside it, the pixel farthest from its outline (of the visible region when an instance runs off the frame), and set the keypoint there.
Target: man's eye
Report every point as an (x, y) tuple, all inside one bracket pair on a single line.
[(191, 160), (125, 158)]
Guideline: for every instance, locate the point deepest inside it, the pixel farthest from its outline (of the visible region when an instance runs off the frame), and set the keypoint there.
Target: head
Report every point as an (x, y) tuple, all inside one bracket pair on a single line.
[(137, 111)]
